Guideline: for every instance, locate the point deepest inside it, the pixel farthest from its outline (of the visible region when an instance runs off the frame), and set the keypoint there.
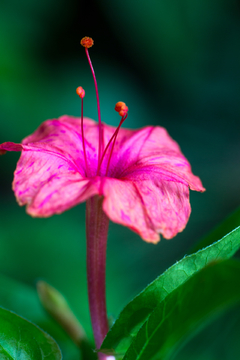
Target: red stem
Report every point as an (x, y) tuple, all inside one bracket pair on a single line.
[(97, 230)]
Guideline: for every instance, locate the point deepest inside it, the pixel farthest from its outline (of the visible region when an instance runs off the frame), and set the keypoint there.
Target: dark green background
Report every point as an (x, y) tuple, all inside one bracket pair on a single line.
[(176, 63)]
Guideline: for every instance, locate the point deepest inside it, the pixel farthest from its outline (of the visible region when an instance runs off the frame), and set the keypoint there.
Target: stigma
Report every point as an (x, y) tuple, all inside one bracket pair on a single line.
[(87, 42)]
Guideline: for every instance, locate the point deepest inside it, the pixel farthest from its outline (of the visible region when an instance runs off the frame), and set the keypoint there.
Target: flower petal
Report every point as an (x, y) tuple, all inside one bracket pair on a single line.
[(63, 136), (149, 149), (148, 207), (147, 187), (48, 183), (10, 146)]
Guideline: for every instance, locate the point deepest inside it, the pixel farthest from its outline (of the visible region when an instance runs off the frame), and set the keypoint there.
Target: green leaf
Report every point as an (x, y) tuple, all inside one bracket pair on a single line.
[(208, 293), (137, 311), (21, 339)]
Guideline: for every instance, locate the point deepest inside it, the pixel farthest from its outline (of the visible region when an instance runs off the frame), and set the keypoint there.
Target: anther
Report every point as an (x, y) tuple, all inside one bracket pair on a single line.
[(81, 92), (87, 42), (121, 108), (119, 105)]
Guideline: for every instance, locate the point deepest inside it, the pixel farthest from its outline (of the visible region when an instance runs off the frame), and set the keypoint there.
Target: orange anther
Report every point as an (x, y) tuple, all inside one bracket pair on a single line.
[(123, 111), (87, 42), (121, 108), (81, 92), (119, 105)]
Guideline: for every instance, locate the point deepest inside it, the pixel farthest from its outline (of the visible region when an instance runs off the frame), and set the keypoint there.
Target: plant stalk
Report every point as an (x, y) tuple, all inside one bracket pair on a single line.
[(96, 231)]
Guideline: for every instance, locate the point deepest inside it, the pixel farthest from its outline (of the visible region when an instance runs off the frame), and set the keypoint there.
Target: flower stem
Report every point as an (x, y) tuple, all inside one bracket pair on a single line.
[(97, 229)]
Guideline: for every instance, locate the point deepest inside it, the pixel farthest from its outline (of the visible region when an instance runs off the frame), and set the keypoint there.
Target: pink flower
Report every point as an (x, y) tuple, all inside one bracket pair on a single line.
[(137, 178), (145, 185), (142, 174)]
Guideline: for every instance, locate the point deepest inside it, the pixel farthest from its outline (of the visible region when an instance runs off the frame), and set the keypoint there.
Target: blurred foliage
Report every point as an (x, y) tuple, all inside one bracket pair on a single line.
[(16, 337), (225, 227), (175, 64), (23, 300)]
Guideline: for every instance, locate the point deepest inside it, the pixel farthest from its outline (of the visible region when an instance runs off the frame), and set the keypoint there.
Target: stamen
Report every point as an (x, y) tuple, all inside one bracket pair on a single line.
[(122, 109), (88, 42), (81, 93)]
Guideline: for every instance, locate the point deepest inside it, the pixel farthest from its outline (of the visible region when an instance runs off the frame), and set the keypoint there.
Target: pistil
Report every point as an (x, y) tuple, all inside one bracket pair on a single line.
[(87, 42)]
